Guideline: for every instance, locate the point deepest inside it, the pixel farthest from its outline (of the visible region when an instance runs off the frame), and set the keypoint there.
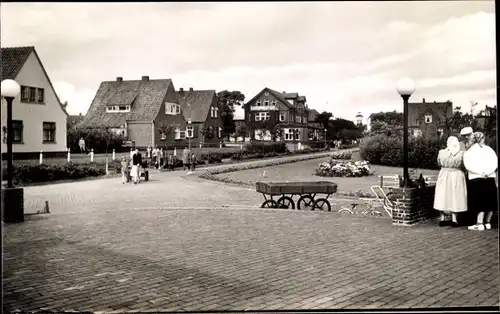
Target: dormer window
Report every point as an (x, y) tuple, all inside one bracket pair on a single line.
[(115, 108), (428, 118), (172, 109)]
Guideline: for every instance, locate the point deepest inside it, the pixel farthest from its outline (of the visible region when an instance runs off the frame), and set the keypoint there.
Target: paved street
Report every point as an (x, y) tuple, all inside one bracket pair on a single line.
[(169, 245)]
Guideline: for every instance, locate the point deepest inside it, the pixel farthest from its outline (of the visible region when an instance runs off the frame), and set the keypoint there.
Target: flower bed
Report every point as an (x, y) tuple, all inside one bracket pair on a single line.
[(342, 155), (335, 168)]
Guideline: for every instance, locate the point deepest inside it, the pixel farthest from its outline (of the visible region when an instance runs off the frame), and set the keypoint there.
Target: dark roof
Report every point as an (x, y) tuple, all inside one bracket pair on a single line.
[(13, 59), (440, 110), (144, 96), (195, 104), (290, 95), (301, 98), (75, 119)]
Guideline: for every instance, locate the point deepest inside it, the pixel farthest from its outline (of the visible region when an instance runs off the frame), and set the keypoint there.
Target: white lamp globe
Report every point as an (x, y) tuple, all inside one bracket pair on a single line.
[(405, 86), (189, 121), (10, 88)]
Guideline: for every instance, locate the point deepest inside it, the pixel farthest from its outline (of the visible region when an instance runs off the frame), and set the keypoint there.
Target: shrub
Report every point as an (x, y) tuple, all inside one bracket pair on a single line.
[(44, 173), (343, 169), (263, 147), (96, 139), (342, 155), (388, 150)]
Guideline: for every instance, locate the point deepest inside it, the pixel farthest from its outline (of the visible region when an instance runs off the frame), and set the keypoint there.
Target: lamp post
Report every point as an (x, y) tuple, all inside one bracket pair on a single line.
[(13, 198), (189, 135), (325, 138), (405, 87)]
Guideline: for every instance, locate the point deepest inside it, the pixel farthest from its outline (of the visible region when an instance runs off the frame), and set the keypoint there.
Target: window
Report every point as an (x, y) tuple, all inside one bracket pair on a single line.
[(262, 116), (49, 132), (428, 118), (266, 93), (179, 135), (417, 132), (258, 103), (123, 108), (297, 134), (274, 103), (282, 116), (172, 108), (25, 93), (190, 131), (32, 94), (17, 128), (216, 112), (39, 95), (299, 119), (266, 102), (288, 134), (219, 132)]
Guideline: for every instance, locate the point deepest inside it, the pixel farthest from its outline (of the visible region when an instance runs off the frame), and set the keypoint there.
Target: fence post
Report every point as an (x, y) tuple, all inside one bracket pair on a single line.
[(92, 155), (201, 145), (69, 154), (107, 167), (241, 146), (114, 155), (41, 157), (175, 151), (220, 145)]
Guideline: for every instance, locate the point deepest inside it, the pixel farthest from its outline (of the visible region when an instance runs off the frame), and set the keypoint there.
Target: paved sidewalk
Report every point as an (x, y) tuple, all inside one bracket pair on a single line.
[(171, 245)]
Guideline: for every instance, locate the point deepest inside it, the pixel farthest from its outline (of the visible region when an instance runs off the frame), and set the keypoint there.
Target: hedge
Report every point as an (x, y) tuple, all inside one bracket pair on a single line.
[(388, 151)]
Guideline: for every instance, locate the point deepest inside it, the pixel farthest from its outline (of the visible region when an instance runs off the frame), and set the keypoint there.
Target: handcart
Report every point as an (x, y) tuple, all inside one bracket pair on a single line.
[(306, 191)]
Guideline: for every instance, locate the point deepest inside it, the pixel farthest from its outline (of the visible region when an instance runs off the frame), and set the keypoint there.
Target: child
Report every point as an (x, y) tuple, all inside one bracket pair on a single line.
[(171, 161), (192, 161), (125, 173)]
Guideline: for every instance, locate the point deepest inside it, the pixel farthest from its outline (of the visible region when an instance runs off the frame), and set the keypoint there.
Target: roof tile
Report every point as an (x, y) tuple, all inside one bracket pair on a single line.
[(13, 59), (195, 104)]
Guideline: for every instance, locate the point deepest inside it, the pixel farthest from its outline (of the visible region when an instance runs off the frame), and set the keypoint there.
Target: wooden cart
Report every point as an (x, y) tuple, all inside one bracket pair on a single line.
[(306, 191)]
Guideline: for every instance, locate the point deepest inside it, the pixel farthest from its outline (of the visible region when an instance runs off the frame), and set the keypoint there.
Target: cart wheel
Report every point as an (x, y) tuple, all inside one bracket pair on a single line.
[(286, 202), (323, 204), (269, 204), (306, 202)]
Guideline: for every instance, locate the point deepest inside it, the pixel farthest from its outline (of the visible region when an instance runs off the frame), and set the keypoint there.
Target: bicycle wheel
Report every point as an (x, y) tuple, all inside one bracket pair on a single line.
[(323, 204), (305, 202), (269, 204), (285, 202)]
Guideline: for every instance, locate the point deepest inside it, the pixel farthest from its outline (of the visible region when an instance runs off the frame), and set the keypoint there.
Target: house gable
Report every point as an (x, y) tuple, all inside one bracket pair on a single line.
[(145, 97), (196, 104)]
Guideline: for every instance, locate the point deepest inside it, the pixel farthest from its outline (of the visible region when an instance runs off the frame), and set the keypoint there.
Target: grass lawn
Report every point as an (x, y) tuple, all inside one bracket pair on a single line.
[(305, 171), (101, 158)]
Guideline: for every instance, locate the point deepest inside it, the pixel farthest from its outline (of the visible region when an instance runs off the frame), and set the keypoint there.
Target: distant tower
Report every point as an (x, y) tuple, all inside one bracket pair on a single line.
[(359, 119)]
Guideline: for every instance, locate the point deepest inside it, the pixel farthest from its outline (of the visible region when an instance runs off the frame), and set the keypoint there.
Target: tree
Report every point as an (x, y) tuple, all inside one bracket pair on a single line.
[(241, 131), (226, 101), (324, 119), (166, 130)]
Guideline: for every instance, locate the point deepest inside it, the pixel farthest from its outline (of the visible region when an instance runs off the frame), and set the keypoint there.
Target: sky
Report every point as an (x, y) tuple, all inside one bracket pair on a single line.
[(345, 57)]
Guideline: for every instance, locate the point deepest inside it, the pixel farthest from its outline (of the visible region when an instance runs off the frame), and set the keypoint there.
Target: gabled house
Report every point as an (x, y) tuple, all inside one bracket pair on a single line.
[(74, 121), (201, 108), (429, 118), (39, 119), (271, 115), (136, 109)]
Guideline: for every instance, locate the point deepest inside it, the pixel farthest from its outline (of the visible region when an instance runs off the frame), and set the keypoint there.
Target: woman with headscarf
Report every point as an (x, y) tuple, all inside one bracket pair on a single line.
[(451, 190), (481, 162)]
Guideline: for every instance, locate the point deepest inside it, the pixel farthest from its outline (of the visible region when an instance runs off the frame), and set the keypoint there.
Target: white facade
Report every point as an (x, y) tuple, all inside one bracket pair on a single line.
[(33, 115)]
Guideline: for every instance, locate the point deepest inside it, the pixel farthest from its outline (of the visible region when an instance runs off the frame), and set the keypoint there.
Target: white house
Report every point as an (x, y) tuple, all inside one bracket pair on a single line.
[(39, 119)]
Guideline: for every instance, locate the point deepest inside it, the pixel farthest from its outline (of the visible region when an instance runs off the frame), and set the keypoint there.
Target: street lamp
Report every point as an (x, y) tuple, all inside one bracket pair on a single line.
[(405, 87), (189, 135), (325, 138), (13, 197)]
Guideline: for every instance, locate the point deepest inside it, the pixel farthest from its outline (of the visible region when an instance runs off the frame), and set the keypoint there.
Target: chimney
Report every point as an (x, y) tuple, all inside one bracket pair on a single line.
[(119, 79), (181, 90), (145, 78), (190, 89), (423, 100)]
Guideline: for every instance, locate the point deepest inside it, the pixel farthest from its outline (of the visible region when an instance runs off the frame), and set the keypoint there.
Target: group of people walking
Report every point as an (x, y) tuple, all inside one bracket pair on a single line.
[(132, 168), (466, 183)]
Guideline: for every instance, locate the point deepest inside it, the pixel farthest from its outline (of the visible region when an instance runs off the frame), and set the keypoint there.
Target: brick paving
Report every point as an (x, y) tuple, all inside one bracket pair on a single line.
[(169, 245)]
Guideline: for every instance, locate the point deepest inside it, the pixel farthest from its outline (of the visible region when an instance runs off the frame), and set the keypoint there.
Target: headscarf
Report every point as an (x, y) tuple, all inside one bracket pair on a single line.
[(477, 138), (453, 145)]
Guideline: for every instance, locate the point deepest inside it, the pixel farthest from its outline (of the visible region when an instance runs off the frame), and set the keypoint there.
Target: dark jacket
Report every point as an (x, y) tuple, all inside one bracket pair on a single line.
[(137, 159)]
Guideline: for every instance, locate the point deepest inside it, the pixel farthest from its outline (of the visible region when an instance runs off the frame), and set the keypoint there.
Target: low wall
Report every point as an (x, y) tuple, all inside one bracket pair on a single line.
[(417, 205)]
